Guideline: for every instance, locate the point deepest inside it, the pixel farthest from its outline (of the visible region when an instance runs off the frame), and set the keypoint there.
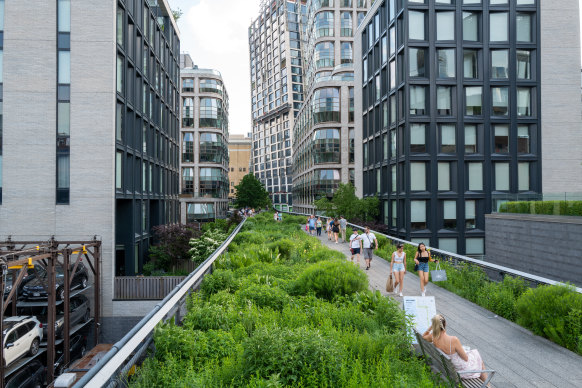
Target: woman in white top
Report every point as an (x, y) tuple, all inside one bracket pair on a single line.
[(398, 266)]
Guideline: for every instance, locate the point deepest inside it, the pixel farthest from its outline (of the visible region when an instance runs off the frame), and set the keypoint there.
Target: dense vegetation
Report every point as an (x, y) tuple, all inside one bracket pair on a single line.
[(558, 208), (280, 310), (554, 312), (346, 203)]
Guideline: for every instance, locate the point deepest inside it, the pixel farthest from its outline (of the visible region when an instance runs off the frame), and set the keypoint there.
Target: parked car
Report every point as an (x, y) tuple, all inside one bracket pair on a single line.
[(32, 375), (77, 349), (21, 335), (79, 311), (38, 287), (28, 276)]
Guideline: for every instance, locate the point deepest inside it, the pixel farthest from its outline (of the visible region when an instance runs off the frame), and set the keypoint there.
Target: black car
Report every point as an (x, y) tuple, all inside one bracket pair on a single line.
[(32, 375), (28, 276), (78, 348), (79, 311), (38, 287)]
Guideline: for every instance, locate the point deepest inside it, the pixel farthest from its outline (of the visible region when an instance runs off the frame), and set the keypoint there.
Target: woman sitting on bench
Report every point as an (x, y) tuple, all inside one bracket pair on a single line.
[(451, 346)]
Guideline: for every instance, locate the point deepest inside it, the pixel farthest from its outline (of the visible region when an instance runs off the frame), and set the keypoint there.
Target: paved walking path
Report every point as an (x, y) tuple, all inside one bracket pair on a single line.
[(519, 358)]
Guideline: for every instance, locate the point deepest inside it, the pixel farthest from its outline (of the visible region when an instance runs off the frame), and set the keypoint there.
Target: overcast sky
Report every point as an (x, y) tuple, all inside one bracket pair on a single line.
[(215, 32)]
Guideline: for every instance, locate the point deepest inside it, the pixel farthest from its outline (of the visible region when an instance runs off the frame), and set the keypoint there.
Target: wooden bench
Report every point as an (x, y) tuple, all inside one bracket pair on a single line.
[(443, 364)]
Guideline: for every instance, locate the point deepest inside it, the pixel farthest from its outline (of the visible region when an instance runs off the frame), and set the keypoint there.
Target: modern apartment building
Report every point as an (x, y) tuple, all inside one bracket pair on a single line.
[(463, 105), (276, 93), (204, 134), (323, 134), (239, 150), (90, 126)]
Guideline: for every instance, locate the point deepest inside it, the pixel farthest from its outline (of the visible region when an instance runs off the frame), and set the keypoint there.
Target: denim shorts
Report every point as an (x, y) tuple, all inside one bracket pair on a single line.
[(398, 267), (423, 267)]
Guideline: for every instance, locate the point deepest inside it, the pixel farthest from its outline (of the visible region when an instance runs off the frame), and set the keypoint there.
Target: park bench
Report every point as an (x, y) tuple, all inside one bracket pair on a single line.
[(442, 362)]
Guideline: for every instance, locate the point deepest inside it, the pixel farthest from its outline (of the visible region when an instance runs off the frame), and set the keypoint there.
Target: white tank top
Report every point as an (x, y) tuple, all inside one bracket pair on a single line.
[(399, 259)]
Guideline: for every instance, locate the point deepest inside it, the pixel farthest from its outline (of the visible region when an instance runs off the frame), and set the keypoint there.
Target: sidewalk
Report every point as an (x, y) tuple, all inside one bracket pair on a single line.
[(519, 358)]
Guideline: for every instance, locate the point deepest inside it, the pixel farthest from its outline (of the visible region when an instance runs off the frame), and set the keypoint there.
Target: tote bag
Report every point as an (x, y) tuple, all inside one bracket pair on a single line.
[(390, 284), (438, 275)]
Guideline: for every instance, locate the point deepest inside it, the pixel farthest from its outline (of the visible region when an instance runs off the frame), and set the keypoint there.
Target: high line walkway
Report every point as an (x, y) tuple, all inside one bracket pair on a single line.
[(520, 358)]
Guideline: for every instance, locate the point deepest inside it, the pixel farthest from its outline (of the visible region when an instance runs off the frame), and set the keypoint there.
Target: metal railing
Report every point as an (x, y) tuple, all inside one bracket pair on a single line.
[(455, 258), (110, 369)]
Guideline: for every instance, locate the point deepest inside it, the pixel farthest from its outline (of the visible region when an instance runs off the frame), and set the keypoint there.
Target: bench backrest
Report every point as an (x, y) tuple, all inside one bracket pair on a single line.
[(442, 361)]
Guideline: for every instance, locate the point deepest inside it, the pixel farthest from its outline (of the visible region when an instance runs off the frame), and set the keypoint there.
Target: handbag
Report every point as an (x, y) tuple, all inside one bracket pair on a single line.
[(415, 267), (438, 275), (389, 284)]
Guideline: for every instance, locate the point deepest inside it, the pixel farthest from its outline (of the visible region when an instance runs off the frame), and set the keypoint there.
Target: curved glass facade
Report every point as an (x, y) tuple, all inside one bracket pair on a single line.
[(213, 182), (187, 180), (188, 112), (188, 147), (326, 146), (325, 182), (326, 105), (346, 24), (210, 85), (324, 55), (200, 212), (211, 113), (323, 24), (212, 148)]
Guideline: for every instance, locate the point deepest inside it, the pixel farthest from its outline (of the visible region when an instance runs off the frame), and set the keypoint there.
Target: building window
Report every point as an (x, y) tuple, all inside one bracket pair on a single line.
[(501, 139), (444, 103), (324, 24), (188, 112), (470, 214), (418, 100), (446, 63), (523, 176), (524, 27), (213, 183), (384, 44), (418, 176), (199, 212), (523, 136), (524, 64), (471, 64), (448, 134), (188, 180), (417, 215), (475, 246), (393, 178), (212, 148), (470, 139), (500, 101), (325, 182), (524, 102), (498, 27), (347, 55), (378, 181), (120, 70), (392, 75), (188, 147), (351, 134), (326, 146), (444, 176), (346, 24), (188, 85), (445, 25), (473, 100), (324, 55), (326, 105), (416, 25), (394, 214), (417, 138), (210, 85), (475, 172), (448, 244), (211, 113), (499, 64), (502, 176), (392, 33), (393, 143), (118, 170), (351, 105), (417, 62), (471, 26), (450, 214)]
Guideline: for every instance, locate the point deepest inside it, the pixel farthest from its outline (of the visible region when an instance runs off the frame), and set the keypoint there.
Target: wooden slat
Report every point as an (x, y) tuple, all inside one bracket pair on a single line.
[(144, 288)]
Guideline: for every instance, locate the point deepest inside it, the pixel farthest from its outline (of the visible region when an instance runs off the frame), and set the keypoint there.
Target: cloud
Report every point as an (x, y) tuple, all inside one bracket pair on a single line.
[(215, 34)]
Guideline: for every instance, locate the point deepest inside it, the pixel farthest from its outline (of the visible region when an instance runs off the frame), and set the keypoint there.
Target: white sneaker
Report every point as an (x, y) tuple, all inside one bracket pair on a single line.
[(401, 294), (423, 294)]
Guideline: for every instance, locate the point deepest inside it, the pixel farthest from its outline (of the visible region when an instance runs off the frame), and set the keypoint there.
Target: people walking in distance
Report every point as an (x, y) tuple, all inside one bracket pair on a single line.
[(312, 225), (329, 228), (318, 226), (463, 360), (369, 243), (276, 216), (280, 216), (343, 227), (335, 227), (355, 245), (398, 266), (422, 258)]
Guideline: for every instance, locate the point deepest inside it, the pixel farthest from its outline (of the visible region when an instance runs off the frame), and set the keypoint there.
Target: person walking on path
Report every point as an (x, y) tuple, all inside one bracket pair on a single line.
[(335, 227), (312, 225), (369, 242), (462, 360), (343, 227), (421, 259), (318, 226), (355, 245), (276, 216), (329, 227), (280, 217), (398, 266)]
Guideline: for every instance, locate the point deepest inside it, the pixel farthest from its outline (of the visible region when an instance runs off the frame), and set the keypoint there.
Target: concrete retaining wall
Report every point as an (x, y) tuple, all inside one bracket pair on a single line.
[(548, 246)]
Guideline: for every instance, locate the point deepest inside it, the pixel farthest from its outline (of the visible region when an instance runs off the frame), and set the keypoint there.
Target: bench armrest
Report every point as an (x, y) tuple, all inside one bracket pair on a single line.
[(490, 372)]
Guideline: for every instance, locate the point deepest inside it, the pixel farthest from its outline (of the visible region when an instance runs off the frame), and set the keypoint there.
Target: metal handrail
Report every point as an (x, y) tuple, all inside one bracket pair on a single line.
[(456, 257), (107, 368)]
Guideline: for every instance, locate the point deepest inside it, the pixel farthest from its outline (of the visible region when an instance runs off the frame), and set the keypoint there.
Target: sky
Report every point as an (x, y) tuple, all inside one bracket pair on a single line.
[(214, 33)]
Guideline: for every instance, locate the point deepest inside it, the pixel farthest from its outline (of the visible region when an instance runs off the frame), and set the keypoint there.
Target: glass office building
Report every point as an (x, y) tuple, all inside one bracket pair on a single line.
[(450, 114)]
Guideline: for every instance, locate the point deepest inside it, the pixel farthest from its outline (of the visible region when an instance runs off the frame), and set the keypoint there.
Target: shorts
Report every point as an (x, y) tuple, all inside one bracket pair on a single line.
[(368, 253), (355, 251), (312, 228), (423, 267), (398, 267)]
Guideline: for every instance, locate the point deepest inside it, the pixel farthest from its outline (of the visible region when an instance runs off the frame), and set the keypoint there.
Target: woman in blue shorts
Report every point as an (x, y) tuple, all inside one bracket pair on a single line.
[(421, 259), (398, 266)]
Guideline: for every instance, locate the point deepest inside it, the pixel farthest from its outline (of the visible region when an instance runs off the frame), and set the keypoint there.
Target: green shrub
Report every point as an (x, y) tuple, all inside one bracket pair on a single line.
[(562, 208), (264, 295), (249, 237), (220, 279), (330, 279), (553, 312), (284, 247)]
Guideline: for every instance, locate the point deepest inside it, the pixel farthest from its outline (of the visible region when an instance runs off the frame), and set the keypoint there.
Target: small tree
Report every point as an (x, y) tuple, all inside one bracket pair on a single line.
[(250, 192), (346, 203), (177, 13), (173, 246)]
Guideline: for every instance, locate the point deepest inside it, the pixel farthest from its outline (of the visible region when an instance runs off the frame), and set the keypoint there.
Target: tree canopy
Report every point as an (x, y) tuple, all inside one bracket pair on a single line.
[(346, 203), (250, 192)]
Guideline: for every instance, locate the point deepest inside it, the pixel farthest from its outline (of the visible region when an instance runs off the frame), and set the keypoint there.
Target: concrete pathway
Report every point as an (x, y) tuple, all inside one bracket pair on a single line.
[(520, 358)]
